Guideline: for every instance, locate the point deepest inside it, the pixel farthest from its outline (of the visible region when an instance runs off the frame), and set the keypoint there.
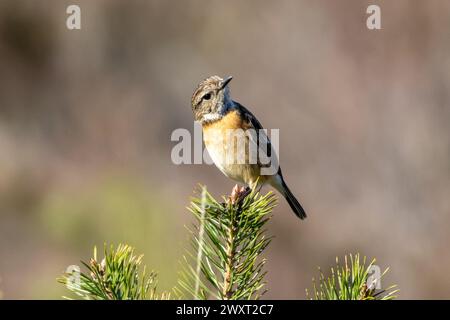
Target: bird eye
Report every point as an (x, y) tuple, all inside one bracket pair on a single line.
[(207, 96)]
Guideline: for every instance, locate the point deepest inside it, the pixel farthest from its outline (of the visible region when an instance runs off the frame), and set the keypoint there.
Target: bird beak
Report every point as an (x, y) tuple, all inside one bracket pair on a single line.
[(225, 82)]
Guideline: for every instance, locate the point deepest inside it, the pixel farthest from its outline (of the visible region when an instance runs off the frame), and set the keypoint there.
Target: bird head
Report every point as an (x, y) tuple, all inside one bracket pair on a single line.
[(211, 99)]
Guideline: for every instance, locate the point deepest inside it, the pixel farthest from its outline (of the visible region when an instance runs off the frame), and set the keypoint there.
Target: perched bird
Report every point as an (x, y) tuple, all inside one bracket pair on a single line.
[(219, 114)]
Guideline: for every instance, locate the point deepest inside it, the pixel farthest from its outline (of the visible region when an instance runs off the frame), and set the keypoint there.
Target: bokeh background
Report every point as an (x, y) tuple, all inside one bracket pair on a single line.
[(86, 118)]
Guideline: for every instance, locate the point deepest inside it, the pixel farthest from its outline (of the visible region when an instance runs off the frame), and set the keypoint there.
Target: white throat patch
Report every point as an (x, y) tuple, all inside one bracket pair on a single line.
[(211, 117)]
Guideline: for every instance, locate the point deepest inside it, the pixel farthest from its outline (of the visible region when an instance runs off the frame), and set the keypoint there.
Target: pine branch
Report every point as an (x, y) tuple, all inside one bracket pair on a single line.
[(352, 281), (116, 277), (231, 266)]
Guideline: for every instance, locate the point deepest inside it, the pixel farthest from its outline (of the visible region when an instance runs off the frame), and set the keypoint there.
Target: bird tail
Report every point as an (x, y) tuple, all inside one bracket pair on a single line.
[(282, 187), (293, 203)]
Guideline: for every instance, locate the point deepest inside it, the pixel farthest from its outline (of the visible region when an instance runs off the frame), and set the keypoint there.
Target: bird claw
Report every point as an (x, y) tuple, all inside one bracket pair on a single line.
[(238, 194)]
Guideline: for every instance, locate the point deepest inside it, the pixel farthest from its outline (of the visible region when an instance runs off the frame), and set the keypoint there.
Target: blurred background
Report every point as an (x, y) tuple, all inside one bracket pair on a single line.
[(86, 117)]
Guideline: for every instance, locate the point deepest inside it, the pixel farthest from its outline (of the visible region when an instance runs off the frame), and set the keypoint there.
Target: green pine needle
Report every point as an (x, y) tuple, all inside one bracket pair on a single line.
[(351, 281), (227, 243), (116, 277)]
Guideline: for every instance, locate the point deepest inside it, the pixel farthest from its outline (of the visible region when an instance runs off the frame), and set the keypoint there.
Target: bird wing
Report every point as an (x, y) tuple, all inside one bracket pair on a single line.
[(262, 140)]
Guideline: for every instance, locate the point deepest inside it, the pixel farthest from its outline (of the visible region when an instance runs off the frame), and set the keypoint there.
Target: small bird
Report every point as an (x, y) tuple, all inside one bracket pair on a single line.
[(218, 113)]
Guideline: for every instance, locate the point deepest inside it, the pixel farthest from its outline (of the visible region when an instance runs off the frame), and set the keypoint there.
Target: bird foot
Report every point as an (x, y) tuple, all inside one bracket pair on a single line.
[(238, 194)]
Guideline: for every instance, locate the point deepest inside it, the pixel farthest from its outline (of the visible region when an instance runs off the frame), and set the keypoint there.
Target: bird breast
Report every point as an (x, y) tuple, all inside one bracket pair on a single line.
[(228, 145)]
